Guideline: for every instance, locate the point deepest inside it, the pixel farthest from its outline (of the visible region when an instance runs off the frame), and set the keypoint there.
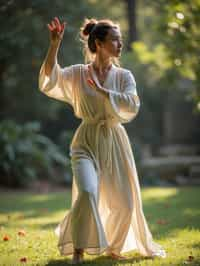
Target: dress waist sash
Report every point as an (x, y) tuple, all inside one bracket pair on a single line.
[(108, 124)]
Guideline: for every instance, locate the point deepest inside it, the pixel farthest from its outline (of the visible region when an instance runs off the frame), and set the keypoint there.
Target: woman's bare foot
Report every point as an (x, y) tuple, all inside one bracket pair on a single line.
[(116, 256), (77, 256)]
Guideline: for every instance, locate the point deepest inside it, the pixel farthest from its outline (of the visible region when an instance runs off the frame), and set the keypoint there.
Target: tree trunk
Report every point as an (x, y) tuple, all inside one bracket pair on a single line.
[(131, 14)]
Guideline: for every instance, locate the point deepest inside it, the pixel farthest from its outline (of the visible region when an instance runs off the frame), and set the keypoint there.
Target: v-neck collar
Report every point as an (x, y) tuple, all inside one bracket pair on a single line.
[(94, 76)]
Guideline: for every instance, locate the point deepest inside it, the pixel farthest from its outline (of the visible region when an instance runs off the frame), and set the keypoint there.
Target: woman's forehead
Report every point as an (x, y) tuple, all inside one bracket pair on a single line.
[(114, 32)]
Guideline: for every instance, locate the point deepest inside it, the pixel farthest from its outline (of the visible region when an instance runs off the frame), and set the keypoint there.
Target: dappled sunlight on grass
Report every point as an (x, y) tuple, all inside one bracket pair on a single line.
[(172, 215), (192, 213), (158, 193), (27, 201)]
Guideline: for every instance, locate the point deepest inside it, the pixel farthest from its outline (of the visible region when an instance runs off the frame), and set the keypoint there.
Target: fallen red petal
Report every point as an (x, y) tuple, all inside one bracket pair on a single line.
[(6, 238), (24, 259), (21, 232), (190, 258), (161, 221)]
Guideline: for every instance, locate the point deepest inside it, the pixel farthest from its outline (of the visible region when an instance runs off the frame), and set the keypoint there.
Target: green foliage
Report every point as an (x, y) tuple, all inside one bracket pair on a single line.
[(178, 29), (164, 61), (152, 86), (64, 140), (27, 155)]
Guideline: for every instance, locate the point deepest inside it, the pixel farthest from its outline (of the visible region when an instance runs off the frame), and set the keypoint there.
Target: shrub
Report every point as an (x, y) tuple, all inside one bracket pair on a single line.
[(27, 155)]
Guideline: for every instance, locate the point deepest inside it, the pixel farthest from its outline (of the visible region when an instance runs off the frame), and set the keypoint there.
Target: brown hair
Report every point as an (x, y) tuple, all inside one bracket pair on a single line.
[(92, 30)]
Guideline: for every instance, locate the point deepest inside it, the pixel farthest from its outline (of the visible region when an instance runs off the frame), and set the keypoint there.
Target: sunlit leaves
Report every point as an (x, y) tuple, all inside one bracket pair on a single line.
[(181, 20)]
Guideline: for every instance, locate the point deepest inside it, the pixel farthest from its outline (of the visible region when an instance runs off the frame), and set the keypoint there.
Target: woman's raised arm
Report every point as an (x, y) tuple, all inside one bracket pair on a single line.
[(56, 32), (55, 81)]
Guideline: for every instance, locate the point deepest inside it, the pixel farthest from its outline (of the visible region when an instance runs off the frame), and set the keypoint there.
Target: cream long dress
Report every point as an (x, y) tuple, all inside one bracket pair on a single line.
[(106, 212)]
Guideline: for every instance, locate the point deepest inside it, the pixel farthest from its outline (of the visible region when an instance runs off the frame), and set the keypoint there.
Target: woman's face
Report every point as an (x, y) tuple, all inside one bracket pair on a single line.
[(112, 45)]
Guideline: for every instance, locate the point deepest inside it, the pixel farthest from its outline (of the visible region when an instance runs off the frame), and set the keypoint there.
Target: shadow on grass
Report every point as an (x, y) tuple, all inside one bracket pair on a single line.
[(101, 260), (196, 245), (33, 205)]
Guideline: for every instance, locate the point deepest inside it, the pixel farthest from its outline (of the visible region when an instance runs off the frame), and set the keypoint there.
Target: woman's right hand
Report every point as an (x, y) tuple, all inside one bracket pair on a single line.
[(56, 30)]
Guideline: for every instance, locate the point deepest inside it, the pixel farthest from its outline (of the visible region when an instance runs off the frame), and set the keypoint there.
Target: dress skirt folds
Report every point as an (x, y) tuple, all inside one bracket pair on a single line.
[(106, 213)]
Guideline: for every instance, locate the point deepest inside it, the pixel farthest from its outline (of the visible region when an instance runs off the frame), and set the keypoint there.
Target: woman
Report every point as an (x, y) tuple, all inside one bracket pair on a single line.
[(106, 214)]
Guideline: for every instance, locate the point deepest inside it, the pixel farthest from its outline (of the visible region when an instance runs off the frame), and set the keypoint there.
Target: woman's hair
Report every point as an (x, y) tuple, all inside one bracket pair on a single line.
[(91, 30)]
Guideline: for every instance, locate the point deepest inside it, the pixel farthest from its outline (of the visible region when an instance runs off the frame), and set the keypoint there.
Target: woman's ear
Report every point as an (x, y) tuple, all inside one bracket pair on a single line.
[(98, 44)]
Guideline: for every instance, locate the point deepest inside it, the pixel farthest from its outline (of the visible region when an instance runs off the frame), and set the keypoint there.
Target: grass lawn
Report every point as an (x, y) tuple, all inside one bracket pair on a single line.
[(29, 220)]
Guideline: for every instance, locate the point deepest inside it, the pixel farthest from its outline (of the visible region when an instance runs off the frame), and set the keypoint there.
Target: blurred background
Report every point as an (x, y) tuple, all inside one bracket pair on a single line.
[(161, 48)]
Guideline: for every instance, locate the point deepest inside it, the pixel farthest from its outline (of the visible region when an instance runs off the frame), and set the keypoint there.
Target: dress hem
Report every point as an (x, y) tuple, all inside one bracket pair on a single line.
[(121, 253)]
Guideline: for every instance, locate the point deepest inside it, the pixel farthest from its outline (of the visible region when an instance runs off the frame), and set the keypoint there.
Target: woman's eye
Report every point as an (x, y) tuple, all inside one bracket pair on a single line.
[(116, 39)]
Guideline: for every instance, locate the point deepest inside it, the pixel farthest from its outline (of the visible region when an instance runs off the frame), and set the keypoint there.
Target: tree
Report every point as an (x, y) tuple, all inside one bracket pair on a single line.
[(179, 25), (131, 15)]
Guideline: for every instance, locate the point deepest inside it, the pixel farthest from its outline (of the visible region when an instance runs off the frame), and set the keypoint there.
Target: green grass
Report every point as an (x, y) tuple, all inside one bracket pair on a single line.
[(38, 215)]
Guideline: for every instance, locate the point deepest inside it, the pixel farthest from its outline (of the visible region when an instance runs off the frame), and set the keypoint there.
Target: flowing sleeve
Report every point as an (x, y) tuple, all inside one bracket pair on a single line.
[(59, 84), (126, 103)]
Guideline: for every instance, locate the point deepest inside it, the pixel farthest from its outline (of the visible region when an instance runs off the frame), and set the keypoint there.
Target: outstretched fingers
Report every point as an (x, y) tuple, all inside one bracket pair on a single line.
[(63, 25), (58, 25), (50, 27), (55, 25)]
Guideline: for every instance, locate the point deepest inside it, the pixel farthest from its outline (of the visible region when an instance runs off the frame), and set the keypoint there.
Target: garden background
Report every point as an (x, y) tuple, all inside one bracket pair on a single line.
[(161, 48)]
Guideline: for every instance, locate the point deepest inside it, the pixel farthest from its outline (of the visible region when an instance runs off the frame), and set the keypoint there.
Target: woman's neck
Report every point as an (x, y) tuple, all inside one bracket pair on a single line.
[(101, 63)]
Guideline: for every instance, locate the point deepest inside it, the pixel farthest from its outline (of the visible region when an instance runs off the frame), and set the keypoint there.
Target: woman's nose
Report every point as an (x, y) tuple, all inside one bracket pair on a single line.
[(119, 44)]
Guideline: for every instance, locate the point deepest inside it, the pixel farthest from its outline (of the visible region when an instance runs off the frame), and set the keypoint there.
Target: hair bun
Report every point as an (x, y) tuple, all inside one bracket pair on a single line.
[(89, 26)]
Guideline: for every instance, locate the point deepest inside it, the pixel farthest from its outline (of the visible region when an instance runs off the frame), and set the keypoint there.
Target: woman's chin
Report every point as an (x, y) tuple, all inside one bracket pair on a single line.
[(117, 54)]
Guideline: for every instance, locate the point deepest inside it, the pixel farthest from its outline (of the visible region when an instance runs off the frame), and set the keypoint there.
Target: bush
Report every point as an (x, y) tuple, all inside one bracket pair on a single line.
[(26, 155)]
